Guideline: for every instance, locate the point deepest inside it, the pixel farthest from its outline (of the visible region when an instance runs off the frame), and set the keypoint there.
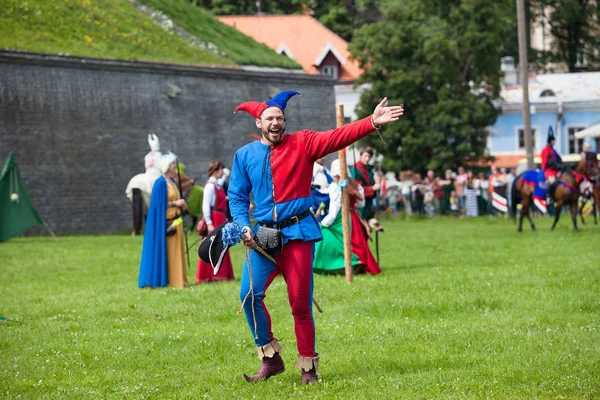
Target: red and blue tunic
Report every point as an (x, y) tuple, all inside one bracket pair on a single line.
[(279, 177)]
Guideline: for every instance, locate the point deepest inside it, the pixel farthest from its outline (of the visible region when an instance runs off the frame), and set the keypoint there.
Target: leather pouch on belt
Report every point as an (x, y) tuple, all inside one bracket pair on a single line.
[(270, 240)]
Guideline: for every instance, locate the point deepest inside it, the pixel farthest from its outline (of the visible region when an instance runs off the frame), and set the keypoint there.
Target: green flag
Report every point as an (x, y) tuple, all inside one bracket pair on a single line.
[(17, 213)]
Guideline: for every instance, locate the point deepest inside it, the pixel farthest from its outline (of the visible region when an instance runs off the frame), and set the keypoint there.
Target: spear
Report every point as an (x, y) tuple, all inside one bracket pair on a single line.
[(187, 253)]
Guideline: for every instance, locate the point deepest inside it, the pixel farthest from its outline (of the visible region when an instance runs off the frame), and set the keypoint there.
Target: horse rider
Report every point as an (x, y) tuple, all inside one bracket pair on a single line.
[(551, 162), (590, 157), (592, 166)]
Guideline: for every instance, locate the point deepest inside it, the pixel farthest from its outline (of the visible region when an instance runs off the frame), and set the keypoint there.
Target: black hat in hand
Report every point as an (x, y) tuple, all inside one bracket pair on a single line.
[(212, 250)]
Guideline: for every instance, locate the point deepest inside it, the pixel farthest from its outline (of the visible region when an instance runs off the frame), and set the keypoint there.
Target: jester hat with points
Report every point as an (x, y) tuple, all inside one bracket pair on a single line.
[(255, 108)]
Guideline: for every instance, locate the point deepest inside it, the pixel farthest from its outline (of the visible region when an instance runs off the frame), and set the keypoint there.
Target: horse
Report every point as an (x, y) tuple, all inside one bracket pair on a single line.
[(592, 191), (523, 191), (139, 188), (564, 192), (591, 194)]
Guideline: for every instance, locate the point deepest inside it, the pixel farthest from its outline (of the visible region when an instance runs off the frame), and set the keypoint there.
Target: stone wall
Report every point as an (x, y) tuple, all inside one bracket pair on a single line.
[(79, 127)]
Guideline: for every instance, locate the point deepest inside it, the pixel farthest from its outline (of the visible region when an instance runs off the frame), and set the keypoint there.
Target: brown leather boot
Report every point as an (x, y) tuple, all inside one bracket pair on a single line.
[(271, 362), (308, 366), (269, 367), (309, 377)]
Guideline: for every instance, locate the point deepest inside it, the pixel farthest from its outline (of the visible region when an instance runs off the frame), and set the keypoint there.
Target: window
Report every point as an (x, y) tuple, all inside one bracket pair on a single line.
[(522, 138), (575, 144), (330, 70), (547, 93)]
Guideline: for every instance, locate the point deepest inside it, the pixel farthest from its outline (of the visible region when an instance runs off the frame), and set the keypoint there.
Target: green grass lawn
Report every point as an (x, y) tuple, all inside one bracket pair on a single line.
[(94, 28), (240, 48), (464, 309), (116, 29)]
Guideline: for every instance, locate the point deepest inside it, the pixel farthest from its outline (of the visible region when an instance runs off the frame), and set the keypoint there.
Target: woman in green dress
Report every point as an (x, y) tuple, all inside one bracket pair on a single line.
[(329, 253)]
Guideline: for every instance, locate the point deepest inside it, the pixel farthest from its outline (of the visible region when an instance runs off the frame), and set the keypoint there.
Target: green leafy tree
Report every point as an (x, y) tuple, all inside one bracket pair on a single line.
[(344, 16), (441, 59), (339, 20), (573, 26)]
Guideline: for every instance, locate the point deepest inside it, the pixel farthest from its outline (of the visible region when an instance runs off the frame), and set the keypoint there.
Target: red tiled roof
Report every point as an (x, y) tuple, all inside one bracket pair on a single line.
[(303, 36)]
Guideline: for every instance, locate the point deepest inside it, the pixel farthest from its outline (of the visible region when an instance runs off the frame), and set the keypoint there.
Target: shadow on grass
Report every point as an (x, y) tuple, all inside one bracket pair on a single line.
[(407, 267)]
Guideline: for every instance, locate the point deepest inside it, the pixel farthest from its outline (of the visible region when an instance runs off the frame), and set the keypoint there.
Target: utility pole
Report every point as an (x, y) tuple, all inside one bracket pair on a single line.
[(524, 73)]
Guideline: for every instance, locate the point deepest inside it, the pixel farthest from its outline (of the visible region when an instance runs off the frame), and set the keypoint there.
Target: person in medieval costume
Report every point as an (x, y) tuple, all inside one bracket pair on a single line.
[(214, 209), (592, 165), (329, 253), (276, 171), (591, 159), (327, 258), (361, 230), (363, 173), (551, 162), (163, 252)]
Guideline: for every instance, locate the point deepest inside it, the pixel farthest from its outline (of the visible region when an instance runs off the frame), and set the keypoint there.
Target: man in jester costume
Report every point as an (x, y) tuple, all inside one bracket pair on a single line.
[(277, 171)]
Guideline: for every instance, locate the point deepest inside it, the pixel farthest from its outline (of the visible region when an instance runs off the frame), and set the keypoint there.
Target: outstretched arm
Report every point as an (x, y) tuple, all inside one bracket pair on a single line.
[(319, 144)]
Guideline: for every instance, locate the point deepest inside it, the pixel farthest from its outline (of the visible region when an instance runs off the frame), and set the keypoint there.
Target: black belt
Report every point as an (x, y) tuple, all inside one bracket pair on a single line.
[(288, 222)]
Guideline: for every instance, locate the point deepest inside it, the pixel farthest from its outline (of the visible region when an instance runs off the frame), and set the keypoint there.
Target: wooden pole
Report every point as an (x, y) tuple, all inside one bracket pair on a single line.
[(50, 230), (339, 113), (524, 74)]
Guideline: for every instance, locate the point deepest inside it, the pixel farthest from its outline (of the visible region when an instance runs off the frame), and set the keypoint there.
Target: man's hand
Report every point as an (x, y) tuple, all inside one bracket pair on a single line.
[(247, 238), (383, 115), (210, 228)]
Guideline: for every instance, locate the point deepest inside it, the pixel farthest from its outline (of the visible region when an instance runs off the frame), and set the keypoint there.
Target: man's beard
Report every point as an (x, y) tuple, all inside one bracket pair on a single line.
[(265, 134)]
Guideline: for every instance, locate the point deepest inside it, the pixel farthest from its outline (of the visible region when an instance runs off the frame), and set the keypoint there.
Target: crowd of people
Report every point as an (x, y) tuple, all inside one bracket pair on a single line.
[(462, 192)]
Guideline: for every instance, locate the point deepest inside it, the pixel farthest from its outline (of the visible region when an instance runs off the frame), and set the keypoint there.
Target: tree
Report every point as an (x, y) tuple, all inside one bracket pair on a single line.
[(441, 59), (339, 20), (344, 16), (573, 26)]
